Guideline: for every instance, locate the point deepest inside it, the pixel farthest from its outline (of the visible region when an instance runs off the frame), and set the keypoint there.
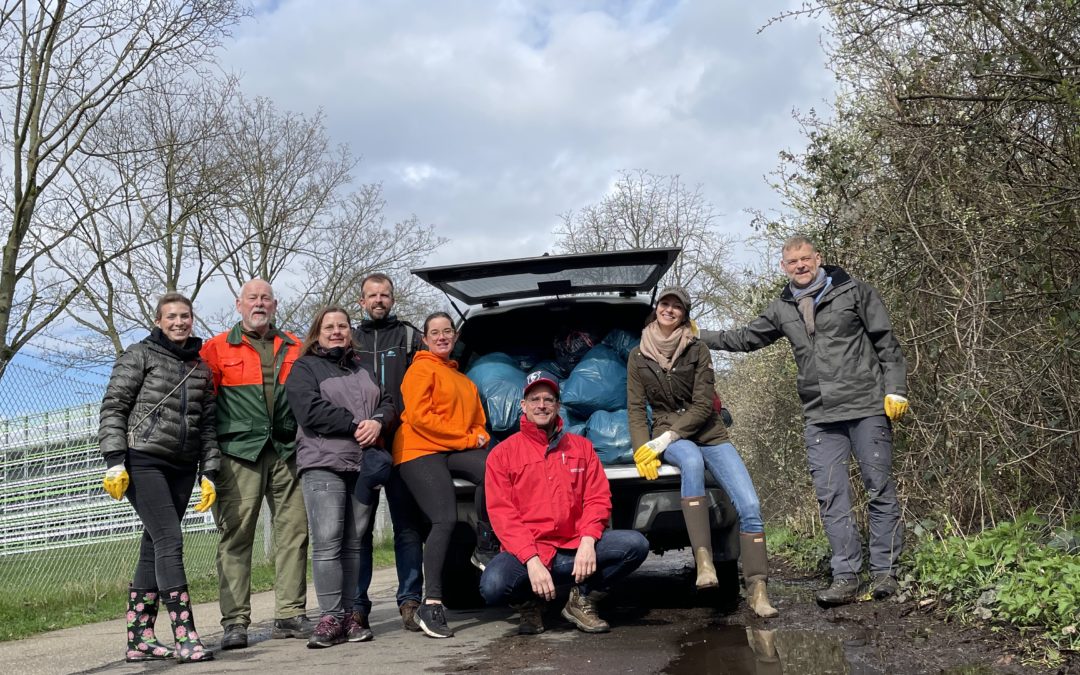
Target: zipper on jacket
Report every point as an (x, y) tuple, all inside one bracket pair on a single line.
[(183, 408)]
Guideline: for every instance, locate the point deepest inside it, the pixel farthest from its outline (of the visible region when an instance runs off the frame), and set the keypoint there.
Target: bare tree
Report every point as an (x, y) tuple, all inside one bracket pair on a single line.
[(63, 66), (356, 243), (645, 210), (290, 178), (948, 175), (164, 151)]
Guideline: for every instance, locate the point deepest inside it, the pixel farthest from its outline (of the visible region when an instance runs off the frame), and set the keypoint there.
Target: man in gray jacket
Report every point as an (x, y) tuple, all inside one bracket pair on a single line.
[(852, 383)]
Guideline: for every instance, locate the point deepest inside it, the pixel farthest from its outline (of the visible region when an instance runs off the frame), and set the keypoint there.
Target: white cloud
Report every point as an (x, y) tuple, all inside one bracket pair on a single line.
[(491, 119)]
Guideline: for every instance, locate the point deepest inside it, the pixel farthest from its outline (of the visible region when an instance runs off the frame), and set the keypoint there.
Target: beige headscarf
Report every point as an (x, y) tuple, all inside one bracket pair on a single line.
[(665, 350)]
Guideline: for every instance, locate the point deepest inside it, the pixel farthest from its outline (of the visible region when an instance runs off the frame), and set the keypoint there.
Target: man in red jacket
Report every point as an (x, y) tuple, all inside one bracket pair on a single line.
[(549, 502)]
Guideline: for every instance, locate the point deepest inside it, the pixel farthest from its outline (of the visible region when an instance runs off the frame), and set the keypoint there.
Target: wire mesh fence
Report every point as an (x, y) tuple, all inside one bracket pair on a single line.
[(58, 527)]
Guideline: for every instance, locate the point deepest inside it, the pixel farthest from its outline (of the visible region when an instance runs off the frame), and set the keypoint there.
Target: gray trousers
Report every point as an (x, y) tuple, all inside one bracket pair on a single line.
[(829, 449)]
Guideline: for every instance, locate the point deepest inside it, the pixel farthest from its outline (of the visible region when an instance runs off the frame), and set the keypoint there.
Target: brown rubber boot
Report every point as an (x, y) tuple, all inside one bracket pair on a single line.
[(695, 512), (755, 566)]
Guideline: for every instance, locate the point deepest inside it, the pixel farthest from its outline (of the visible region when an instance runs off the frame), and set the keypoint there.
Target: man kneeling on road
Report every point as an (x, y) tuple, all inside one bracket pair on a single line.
[(549, 502)]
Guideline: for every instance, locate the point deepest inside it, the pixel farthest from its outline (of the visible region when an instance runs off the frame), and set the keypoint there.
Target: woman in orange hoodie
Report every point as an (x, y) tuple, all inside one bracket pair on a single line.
[(442, 436)]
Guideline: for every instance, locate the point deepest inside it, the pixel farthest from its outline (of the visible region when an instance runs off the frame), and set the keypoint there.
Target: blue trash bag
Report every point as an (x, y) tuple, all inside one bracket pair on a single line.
[(570, 423), (500, 383), (493, 357), (622, 342), (597, 383), (610, 435)]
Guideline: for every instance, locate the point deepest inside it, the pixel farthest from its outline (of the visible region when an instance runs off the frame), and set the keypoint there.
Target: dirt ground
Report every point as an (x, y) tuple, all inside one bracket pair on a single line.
[(660, 625)]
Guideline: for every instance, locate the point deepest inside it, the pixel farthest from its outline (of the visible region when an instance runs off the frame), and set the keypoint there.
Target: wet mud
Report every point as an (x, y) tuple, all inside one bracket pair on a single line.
[(661, 625)]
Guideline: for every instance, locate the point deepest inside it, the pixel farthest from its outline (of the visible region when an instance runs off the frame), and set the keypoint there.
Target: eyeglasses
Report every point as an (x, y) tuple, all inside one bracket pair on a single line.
[(445, 332), (541, 400)]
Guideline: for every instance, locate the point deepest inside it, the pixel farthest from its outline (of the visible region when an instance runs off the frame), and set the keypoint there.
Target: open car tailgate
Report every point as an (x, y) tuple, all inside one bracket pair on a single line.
[(486, 283)]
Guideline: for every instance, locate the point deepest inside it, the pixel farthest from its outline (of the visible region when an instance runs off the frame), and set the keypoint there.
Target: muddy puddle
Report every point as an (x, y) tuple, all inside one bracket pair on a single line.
[(747, 650)]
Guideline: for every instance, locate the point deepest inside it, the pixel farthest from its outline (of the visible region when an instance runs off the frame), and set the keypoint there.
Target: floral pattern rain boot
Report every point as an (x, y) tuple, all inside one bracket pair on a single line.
[(142, 644), (188, 646)]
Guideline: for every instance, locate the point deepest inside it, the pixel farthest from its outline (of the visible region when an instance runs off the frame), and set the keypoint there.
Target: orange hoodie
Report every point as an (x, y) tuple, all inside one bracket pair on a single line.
[(442, 412)]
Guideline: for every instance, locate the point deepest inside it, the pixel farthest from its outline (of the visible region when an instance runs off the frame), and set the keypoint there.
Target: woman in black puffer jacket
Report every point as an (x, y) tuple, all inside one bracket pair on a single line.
[(157, 433), (340, 412)]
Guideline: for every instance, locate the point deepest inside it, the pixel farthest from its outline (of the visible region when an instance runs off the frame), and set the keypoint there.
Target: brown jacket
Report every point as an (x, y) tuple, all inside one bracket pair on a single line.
[(681, 399)]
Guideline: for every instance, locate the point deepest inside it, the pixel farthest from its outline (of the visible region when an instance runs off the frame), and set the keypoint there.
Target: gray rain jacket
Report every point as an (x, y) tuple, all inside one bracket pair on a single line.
[(330, 396), (848, 366)]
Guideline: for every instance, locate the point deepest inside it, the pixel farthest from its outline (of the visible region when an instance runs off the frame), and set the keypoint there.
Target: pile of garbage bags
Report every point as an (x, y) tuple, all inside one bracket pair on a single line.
[(592, 380)]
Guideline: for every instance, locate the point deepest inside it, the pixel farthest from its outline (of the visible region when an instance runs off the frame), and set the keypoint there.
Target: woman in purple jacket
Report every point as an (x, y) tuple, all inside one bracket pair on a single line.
[(340, 412)]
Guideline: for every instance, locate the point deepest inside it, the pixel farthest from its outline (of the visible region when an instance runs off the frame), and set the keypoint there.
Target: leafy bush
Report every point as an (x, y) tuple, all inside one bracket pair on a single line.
[(804, 552), (1021, 573)]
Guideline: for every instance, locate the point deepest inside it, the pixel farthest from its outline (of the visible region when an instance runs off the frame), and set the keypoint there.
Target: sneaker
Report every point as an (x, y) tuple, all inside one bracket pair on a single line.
[(882, 586), (532, 617), (235, 637), (357, 628), (432, 620), (295, 627), (408, 615), (842, 591), (328, 633), (580, 610), (487, 546), (481, 558)]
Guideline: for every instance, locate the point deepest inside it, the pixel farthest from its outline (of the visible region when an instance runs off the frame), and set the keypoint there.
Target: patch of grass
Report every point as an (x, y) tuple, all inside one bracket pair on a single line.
[(807, 553), (100, 593), (1024, 573)]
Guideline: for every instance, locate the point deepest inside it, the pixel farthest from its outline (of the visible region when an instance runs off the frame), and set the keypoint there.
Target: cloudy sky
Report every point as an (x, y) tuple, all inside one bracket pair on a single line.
[(489, 119)]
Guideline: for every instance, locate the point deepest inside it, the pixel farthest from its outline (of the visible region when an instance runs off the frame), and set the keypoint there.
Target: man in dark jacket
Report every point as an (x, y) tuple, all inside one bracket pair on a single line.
[(257, 434), (550, 503), (386, 346), (852, 384)]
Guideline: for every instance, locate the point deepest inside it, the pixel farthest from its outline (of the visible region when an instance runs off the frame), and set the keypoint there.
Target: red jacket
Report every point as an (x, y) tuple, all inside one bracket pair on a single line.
[(540, 499)]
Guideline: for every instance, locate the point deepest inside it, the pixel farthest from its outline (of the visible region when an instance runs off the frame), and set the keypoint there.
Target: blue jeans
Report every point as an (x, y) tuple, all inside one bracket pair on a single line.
[(408, 539), (337, 520), (727, 469), (618, 553)]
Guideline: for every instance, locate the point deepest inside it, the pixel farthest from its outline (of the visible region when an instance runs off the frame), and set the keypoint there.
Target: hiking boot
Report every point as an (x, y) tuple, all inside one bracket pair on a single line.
[(329, 632), (142, 612), (357, 628), (432, 620), (294, 627), (882, 586), (532, 617), (842, 591), (408, 615), (580, 610), (235, 637), (487, 546)]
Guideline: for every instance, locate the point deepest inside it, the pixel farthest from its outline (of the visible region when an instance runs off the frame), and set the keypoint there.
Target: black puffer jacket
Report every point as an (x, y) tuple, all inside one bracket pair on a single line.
[(182, 429)]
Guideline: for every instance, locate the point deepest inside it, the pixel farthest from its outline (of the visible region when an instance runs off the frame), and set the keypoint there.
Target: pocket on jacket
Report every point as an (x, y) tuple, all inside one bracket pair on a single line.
[(233, 427)]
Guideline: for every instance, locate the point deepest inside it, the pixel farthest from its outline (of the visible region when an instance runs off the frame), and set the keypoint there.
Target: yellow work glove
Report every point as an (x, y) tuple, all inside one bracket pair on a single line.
[(116, 481), (895, 406), (209, 495), (653, 449), (649, 469)]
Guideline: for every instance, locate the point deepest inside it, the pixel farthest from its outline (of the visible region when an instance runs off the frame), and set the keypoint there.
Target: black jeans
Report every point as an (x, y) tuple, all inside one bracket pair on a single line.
[(160, 496), (431, 480)]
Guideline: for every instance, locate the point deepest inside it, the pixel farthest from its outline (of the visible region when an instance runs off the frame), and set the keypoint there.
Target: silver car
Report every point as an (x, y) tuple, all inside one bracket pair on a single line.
[(523, 305)]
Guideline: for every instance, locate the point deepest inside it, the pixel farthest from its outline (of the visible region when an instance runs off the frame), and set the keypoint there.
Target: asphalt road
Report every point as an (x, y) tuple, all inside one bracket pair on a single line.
[(659, 625)]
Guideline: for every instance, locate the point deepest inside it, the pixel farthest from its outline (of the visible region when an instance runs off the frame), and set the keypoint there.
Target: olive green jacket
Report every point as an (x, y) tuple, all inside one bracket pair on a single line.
[(681, 398)]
